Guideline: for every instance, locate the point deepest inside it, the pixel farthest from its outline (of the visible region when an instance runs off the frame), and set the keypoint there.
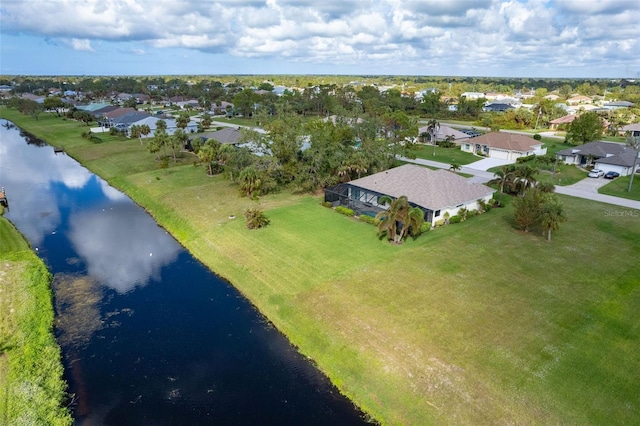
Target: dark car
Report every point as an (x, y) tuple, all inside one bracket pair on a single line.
[(611, 175), (472, 133)]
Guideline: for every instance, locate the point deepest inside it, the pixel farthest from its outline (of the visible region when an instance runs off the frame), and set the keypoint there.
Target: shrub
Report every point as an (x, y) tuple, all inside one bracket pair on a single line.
[(439, 223), (327, 204), (455, 219), (537, 136), (255, 218), (345, 211), (426, 227), (368, 219), (525, 158)]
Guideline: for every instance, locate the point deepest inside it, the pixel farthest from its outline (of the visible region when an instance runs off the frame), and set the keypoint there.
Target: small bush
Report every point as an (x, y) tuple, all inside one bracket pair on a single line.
[(524, 159), (327, 204), (345, 211), (255, 218), (439, 223), (368, 219), (537, 136), (455, 219), (426, 227)]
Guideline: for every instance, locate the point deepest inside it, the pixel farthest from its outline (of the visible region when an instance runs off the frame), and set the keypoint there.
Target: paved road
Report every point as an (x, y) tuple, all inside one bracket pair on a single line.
[(586, 188)]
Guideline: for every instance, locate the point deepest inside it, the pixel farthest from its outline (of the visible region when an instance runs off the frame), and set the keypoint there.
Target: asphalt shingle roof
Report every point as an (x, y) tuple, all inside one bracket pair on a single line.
[(431, 189), (508, 141)]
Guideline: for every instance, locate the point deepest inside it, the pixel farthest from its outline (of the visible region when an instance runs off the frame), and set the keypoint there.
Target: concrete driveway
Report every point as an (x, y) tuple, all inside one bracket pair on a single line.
[(589, 184), (487, 163)]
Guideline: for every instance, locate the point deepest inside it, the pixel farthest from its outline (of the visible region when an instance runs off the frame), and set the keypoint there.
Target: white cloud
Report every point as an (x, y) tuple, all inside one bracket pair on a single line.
[(83, 45), (397, 34)]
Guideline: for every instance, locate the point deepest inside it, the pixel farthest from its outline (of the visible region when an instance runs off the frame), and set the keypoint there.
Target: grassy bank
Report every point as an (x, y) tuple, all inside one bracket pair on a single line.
[(472, 323), (31, 385)]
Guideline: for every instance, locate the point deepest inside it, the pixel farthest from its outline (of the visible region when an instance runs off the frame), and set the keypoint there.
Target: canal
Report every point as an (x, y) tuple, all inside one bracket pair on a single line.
[(149, 335)]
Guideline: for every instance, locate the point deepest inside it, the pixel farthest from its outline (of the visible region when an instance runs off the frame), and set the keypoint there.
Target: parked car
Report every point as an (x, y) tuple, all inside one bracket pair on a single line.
[(471, 132), (611, 175), (596, 173)]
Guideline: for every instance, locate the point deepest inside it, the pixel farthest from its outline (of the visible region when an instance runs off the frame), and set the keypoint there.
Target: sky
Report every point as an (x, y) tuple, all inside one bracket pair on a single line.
[(516, 38)]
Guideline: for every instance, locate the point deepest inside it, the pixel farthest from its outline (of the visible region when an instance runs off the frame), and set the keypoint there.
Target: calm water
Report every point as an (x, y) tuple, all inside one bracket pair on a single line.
[(149, 335)]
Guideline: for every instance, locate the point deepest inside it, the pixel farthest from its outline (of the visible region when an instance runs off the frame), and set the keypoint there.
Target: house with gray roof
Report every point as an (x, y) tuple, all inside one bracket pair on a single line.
[(606, 156), (632, 129), (227, 135), (504, 146), (436, 192), (443, 133)]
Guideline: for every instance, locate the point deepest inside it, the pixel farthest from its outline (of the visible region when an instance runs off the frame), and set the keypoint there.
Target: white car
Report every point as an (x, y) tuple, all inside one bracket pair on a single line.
[(596, 173)]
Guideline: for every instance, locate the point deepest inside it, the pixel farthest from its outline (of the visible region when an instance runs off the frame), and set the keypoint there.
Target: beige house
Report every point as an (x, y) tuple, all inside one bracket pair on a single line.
[(579, 99), (436, 192), (504, 146), (567, 119)]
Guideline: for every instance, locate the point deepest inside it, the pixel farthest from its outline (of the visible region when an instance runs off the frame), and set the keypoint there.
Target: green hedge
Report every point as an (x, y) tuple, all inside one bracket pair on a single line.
[(368, 219), (345, 211)]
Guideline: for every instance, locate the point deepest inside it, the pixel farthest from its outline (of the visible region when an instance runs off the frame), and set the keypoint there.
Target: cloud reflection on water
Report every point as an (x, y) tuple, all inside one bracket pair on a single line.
[(121, 246)]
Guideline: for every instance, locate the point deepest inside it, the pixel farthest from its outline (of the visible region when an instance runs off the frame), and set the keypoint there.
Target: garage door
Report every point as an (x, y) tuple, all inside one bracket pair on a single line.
[(498, 153)]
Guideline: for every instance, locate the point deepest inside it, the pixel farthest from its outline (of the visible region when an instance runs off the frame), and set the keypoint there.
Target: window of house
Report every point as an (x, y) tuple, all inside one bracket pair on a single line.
[(437, 213)]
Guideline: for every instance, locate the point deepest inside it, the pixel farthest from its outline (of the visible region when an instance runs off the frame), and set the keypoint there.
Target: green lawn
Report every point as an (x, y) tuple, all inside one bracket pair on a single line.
[(554, 145), (619, 188), (32, 390), (442, 155), (472, 323)]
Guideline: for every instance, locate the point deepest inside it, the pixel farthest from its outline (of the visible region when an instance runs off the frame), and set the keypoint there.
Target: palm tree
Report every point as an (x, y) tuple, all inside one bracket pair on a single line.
[(551, 215), (255, 218), (633, 142), (207, 154), (504, 178), (525, 178), (454, 167), (432, 128), (250, 182), (399, 219)]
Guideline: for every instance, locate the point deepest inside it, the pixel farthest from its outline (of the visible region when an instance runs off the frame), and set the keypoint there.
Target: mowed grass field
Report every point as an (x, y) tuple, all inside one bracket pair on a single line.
[(32, 389), (472, 323)]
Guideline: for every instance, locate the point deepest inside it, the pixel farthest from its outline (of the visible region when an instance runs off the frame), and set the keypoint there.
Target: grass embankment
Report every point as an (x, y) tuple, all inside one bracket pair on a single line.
[(31, 385), (472, 323)]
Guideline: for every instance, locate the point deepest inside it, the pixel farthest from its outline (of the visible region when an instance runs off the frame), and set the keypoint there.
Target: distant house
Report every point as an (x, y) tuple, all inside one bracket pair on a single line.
[(579, 99), (436, 192), (472, 95), (152, 122), (552, 96), (562, 121), (444, 133), (125, 121), (618, 105), (221, 107), (505, 146), (606, 156), (497, 107), (228, 135), (633, 129)]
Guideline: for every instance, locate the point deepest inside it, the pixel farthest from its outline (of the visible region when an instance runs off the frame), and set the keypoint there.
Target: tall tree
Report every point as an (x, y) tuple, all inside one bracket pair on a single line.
[(207, 154), (527, 209), (586, 128), (551, 214), (633, 142)]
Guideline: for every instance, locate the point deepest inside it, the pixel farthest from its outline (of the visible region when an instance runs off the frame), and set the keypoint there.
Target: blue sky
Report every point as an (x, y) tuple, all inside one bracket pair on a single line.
[(517, 38)]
